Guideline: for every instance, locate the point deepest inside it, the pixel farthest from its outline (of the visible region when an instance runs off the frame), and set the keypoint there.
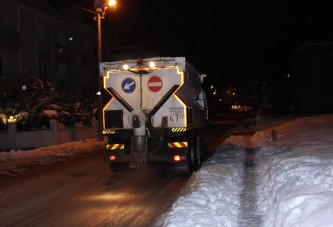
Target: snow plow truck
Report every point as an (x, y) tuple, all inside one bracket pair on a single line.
[(157, 113)]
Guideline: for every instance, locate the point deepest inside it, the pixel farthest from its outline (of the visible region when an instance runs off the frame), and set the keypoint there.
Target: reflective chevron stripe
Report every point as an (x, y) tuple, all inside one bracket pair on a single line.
[(115, 146), (177, 144), (108, 131), (178, 130)]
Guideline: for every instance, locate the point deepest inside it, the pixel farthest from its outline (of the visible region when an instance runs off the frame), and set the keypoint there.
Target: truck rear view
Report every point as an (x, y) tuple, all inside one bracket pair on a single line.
[(158, 113)]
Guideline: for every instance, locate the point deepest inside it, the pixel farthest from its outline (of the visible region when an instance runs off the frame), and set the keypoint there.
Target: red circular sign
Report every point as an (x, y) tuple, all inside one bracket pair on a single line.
[(155, 83)]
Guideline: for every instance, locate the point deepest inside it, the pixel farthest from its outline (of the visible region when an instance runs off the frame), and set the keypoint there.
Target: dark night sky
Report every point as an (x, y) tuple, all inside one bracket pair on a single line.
[(230, 41)]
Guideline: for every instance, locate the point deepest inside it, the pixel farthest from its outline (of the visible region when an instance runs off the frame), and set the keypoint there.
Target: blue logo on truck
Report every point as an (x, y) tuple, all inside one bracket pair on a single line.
[(128, 85)]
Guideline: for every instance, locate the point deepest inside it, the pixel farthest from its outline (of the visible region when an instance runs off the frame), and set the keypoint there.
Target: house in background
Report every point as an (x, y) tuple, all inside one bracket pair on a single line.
[(51, 43)]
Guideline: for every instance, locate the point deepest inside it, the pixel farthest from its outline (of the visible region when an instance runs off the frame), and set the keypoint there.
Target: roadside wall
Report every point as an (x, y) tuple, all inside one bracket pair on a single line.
[(39, 138)]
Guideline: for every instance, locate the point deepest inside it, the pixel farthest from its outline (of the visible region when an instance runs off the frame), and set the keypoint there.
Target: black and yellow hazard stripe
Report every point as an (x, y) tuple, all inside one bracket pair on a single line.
[(178, 129), (115, 146), (177, 144)]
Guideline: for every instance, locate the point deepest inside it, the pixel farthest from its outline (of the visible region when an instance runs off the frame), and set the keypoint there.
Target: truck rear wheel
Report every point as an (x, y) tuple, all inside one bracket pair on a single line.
[(194, 156), (197, 153)]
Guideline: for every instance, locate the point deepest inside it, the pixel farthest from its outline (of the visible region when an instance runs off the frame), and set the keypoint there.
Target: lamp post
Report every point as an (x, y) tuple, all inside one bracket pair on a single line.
[(99, 80), (100, 11)]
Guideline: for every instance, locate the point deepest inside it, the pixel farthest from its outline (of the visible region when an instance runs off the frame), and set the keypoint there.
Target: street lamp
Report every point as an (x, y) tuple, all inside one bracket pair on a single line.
[(101, 8)]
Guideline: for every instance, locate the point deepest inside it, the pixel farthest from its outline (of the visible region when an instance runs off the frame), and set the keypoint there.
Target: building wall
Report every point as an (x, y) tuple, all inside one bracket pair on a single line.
[(9, 29), (28, 39), (71, 62)]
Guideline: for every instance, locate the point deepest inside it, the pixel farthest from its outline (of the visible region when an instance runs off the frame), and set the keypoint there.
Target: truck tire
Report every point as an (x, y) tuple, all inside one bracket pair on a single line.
[(186, 168), (197, 153), (194, 156)]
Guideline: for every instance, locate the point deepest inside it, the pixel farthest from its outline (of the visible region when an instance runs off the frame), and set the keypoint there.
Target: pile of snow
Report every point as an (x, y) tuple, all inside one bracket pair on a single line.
[(289, 184)]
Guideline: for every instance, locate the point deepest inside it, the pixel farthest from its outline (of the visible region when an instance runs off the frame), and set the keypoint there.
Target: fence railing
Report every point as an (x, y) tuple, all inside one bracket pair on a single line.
[(39, 138)]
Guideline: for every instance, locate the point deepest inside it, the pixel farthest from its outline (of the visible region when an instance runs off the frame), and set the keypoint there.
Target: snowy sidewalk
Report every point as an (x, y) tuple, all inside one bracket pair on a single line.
[(18, 161)]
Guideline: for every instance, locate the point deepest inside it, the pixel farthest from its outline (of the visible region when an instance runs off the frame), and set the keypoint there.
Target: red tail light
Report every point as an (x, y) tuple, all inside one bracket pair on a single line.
[(112, 158), (176, 158)]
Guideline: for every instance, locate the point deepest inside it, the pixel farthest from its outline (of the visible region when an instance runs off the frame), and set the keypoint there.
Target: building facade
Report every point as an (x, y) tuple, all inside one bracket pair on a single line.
[(54, 45)]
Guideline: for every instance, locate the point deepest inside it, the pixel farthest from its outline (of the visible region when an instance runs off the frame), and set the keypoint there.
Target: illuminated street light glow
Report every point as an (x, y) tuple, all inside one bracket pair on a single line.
[(112, 3)]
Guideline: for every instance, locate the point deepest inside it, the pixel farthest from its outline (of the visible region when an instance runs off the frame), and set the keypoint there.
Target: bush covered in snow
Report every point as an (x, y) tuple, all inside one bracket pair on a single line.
[(32, 102)]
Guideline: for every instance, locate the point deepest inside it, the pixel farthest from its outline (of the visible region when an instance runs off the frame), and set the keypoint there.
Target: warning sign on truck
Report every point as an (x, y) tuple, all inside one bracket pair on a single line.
[(155, 83), (128, 85)]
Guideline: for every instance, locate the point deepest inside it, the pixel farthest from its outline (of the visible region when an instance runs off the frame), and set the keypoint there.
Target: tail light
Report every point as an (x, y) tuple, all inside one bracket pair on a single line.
[(176, 158)]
